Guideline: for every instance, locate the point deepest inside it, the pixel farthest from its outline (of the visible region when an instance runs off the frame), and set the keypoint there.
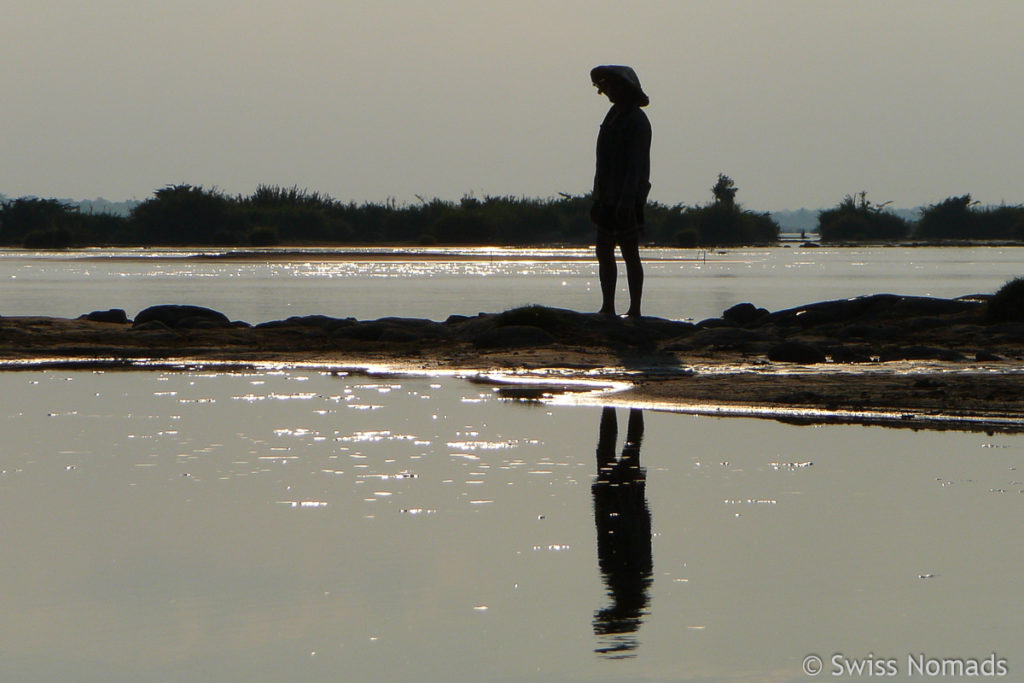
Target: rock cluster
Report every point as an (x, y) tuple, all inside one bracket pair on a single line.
[(879, 327)]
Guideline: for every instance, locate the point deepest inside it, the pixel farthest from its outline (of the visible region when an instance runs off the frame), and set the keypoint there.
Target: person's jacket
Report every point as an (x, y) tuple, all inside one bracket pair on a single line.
[(623, 159)]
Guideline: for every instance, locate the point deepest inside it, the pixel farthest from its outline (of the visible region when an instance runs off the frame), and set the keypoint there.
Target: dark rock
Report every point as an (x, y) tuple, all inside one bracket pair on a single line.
[(708, 323), (321, 322), (869, 332), (421, 326), (925, 323), (394, 330), (470, 328), (150, 325), (796, 352), (513, 336), (305, 332), (114, 315), (571, 327), (539, 316), (375, 332), (922, 306), (841, 310), (201, 323), (866, 309), (1008, 331), (557, 322), (745, 314), (174, 315), (727, 337)]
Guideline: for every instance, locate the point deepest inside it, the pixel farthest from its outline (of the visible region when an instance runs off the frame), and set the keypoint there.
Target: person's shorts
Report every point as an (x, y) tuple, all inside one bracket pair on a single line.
[(610, 230)]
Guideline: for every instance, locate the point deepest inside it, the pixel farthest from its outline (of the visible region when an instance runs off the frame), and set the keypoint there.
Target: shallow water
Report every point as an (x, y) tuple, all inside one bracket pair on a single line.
[(373, 283), (294, 525)]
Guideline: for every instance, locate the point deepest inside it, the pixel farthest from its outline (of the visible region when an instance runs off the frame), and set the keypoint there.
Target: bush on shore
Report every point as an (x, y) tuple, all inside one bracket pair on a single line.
[(958, 218), (856, 219), (1007, 305), (722, 222)]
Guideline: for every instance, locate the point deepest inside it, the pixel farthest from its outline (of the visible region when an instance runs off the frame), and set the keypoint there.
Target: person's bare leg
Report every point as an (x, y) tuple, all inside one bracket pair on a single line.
[(607, 271), (634, 276)]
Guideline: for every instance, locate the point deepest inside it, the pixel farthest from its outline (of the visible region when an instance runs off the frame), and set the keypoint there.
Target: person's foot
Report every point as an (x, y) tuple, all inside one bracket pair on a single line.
[(633, 315), (607, 312)]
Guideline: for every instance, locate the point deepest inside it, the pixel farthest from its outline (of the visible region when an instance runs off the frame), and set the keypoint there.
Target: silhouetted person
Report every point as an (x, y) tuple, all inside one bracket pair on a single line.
[(623, 535), (621, 182)]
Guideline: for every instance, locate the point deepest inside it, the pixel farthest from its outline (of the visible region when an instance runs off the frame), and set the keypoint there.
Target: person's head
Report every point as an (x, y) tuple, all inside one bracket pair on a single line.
[(620, 84)]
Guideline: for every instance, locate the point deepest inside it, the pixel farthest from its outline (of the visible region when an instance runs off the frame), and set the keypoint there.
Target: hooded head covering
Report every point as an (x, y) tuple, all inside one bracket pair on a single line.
[(624, 74)]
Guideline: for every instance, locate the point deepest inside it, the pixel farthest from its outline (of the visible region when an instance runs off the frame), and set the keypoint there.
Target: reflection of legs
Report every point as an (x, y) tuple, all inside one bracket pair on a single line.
[(634, 275), (606, 271), (634, 437), (623, 524), (607, 434)]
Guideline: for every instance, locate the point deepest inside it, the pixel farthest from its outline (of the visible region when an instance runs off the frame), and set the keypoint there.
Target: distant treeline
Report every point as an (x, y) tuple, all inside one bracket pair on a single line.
[(188, 215)]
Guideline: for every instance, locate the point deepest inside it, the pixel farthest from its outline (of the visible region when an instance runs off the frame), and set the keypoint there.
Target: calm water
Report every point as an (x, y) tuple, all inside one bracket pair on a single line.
[(379, 283), (289, 524)]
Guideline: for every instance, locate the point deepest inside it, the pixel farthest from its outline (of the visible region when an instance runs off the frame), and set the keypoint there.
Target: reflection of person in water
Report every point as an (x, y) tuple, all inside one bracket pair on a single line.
[(623, 534)]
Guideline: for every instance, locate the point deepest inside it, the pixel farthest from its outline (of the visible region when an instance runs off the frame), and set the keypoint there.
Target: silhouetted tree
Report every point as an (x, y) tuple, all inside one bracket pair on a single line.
[(725, 191)]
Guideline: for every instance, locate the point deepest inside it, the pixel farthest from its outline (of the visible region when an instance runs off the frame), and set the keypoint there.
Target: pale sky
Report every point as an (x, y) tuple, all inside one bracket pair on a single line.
[(800, 102)]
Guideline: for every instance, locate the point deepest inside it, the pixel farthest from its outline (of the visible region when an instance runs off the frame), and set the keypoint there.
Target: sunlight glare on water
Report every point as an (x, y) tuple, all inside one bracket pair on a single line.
[(373, 283)]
